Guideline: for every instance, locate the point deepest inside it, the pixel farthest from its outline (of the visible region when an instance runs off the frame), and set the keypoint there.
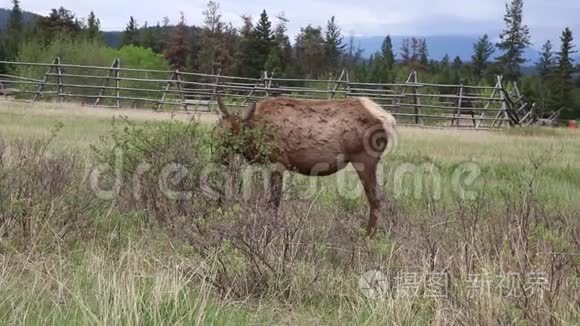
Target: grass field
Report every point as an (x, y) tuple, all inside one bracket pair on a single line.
[(67, 257)]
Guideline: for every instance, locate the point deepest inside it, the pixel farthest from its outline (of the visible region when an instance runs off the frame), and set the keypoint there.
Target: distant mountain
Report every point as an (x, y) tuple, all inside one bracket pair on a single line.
[(5, 17)]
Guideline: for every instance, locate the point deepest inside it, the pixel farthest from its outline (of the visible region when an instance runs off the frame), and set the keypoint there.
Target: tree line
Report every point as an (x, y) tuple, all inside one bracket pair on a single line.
[(263, 44)]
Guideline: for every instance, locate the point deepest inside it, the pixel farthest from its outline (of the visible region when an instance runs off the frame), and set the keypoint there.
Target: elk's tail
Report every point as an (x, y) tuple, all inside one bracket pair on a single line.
[(389, 124)]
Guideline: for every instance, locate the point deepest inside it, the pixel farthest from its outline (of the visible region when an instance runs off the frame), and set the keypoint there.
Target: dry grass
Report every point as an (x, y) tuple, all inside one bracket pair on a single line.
[(81, 125), (72, 110)]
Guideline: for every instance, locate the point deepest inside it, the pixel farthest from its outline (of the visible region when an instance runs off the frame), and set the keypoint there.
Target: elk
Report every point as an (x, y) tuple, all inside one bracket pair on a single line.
[(320, 138)]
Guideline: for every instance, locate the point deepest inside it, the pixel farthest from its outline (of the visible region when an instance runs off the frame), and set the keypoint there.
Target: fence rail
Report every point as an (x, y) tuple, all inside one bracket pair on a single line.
[(412, 102)]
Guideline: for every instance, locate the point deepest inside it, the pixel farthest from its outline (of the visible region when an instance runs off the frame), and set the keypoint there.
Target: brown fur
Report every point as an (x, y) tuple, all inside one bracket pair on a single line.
[(321, 137)]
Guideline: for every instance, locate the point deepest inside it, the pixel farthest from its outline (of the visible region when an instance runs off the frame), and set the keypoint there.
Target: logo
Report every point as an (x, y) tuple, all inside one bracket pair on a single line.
[(374, 284)]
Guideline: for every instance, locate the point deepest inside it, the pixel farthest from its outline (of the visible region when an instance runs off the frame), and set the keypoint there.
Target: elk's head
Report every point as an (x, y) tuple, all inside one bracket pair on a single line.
[(232, 121), (233, 132)]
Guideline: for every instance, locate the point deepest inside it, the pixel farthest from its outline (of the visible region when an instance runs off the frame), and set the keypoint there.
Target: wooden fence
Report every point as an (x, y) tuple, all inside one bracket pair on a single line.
[(412, 102)]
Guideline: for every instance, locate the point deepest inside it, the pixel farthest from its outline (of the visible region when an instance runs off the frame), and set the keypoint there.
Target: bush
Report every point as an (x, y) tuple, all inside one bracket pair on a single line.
[(42, 197), (159, 164), (87, 52), (71, 51)]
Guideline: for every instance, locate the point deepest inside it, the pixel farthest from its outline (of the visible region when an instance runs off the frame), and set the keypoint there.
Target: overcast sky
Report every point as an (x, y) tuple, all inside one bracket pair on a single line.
[(546, 18)]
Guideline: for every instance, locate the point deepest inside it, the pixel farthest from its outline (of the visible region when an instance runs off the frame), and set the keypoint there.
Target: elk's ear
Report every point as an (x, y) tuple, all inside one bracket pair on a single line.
[(223, 112), (249, 112)]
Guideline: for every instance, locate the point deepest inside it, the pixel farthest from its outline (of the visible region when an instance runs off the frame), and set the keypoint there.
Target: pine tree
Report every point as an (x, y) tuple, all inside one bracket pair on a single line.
[(161, 33), (178, 50), (16, 20), (264, 41), (131, 34), (445, 61), (378, 71), (282, 40), (483, 50), (387, 52), (545, 65), (93, 27), (444, 71), (414, 51), (229, 45), (212, 18), (333, 43), (457, 70), (422, 53), (410, 52), (565, 70), (353, 56), (545, 92), (245, 55), (515, 38), (406, 54), (457, 63), (14, 30), (256, 46), (263, 29), (280, 55), (148, 36), (310, 50), (3, 56), (248, 25), (210, 58), (60, 21)]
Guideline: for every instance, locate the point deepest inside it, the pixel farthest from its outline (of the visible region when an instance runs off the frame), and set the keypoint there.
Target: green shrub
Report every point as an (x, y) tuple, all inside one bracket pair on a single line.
[(155, 160), (88, 52), (43, 201)]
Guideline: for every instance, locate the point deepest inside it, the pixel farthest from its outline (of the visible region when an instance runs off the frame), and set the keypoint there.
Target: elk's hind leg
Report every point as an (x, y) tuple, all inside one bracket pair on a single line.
[(276, 187), (367, 172)]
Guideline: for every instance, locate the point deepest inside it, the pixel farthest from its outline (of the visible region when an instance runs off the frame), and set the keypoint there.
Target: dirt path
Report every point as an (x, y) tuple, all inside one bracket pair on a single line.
[(68, 109)]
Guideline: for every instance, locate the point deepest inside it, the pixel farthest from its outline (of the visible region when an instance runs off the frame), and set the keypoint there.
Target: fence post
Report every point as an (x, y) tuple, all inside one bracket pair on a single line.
[(503, 103), (489, 101), (216, 83), (328, 88), (180, 89), (106, 82), (506, 109), (347, 84), (267, 82), (253, 90), (517, 92), (166, 89), (416, 101), (518, 105), (60, 86), (528, 118), (118, 84), (509, 112), (42, 84), (457, 115), (336, 85)]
